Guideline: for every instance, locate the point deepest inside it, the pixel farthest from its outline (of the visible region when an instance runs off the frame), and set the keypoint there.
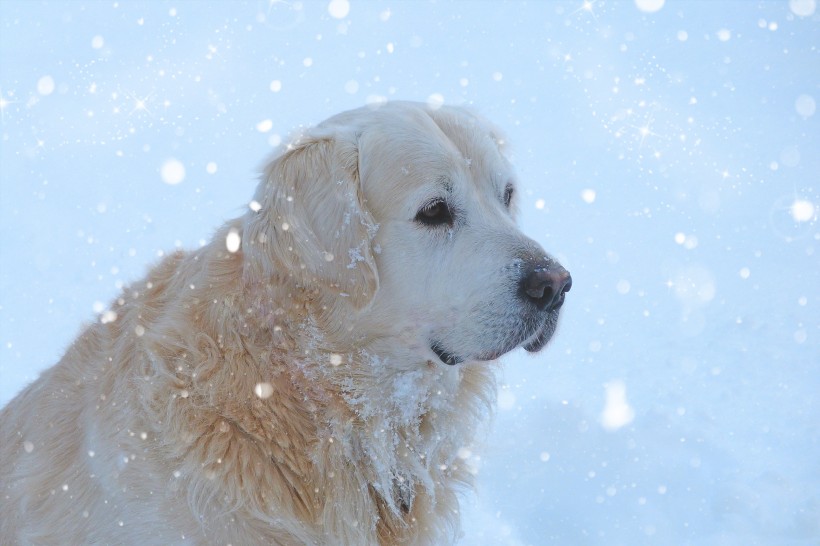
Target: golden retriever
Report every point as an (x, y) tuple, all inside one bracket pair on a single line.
[(313, 375)]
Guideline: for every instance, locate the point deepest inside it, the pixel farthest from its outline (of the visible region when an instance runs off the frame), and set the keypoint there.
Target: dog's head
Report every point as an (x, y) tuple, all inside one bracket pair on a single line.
[(407, 213)]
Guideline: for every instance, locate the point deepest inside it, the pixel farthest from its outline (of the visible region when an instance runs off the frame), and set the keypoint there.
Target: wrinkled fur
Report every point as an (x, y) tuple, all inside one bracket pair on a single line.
[(261, 396)]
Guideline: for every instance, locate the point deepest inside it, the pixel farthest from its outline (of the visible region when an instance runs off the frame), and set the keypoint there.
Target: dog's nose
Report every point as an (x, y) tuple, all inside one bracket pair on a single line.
[(545, 286)]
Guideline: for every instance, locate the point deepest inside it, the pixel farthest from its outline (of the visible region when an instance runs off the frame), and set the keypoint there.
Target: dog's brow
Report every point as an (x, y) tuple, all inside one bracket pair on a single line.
[(446, 183)]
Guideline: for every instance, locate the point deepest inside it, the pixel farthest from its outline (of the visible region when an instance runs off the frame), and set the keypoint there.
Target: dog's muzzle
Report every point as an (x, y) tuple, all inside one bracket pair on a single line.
[(542, 288)]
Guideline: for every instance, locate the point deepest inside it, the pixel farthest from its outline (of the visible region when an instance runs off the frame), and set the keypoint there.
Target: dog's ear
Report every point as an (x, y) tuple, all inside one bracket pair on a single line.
[(309, 221)]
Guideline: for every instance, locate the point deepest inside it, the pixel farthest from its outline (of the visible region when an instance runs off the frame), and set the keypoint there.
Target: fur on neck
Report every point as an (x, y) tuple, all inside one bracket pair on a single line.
[(298, 434)]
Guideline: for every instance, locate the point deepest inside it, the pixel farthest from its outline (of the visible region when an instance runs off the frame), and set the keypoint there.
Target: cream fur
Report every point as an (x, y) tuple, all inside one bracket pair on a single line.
[(287, 393)]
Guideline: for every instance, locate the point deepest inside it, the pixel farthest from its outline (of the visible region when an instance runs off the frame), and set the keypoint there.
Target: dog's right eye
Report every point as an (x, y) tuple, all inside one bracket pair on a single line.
[(435, 213)]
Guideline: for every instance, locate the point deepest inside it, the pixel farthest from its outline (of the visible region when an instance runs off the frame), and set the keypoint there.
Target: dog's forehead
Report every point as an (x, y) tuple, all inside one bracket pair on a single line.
[(407, 149), (448, 129), (474, 137)]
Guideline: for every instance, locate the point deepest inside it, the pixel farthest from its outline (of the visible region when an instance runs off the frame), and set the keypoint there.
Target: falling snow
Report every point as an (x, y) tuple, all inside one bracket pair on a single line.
[(803, 211), (263, 390), (172, 172), (45, 85), (647, 6), (805, 105), (617, 413), (338, 9), (233, 241), (803, 8), (588, 195), (264, 126), (666, 153)]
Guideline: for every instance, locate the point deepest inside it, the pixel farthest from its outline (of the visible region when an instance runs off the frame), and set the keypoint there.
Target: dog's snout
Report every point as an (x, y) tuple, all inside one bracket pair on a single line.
[(545, 286)]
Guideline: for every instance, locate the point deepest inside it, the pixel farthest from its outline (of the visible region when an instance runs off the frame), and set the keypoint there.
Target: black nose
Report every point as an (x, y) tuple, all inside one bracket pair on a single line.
[(545, 286)]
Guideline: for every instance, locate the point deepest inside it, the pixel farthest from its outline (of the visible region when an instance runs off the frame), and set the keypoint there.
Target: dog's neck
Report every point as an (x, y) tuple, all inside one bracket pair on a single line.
[(409, 423), (325, 417)]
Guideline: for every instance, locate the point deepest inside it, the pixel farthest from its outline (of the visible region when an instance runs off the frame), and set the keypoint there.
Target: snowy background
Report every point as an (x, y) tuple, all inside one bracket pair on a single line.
[(669, 155)]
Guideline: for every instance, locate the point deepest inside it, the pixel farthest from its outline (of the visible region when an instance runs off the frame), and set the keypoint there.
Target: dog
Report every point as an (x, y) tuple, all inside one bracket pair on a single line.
[(313, 375)]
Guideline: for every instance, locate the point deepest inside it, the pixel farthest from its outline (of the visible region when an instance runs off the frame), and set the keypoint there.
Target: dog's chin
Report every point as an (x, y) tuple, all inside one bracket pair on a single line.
[(531, 341), (541, 338), (533, 345), (452, 359)]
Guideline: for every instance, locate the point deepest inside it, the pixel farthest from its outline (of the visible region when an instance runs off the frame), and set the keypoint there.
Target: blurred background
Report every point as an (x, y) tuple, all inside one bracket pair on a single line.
[(668, 153)]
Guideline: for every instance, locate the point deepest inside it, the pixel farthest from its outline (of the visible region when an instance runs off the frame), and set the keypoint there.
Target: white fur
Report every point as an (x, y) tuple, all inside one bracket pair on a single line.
[(287, 393)]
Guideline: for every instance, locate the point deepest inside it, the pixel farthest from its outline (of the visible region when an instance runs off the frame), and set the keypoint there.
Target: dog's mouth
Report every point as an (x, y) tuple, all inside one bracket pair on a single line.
[(451, 359), (448, 358), (532, 342)]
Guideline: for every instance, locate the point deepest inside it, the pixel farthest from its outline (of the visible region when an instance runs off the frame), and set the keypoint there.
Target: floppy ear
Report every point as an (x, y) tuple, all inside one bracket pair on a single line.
[(309, 221)]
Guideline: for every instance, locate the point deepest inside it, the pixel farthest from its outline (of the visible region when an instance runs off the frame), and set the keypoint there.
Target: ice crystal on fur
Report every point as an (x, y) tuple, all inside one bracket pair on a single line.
[(355, 254), (409, 394)]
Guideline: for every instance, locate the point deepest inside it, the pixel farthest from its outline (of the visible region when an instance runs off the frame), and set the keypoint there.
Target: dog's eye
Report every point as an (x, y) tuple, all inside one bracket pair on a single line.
[(435, 213), (508, 193)]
